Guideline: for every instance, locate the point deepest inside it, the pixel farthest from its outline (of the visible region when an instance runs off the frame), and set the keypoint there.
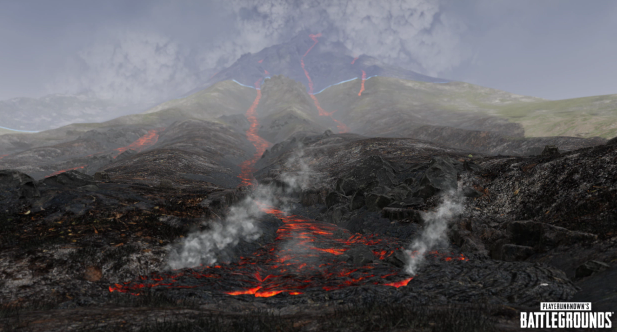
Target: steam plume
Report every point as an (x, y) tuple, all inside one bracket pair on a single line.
[(241, 223), (434, 233), (153, 63)]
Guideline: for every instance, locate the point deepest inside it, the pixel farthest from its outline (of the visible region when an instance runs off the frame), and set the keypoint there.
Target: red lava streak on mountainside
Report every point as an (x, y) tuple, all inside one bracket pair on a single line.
[(341, 126), (146, 140), (247, 169), (4, 155), (354, 60), (363, 79)]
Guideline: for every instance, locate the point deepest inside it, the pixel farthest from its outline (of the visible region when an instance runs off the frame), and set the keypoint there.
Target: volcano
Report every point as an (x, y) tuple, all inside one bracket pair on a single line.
[(304, 201)]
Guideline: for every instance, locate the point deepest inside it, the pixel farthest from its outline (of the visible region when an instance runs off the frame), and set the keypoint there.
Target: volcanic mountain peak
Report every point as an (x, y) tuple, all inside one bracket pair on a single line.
[(327, 63)]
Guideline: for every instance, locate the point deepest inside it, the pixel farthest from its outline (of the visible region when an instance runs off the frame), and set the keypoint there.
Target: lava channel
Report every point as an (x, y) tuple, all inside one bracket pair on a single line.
[(341, 126), (144, 141), (362, 87), (247, 167), (306, 256)]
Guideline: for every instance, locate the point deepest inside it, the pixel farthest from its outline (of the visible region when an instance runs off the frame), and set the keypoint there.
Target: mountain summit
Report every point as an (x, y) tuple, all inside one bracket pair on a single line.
[(309, 59)]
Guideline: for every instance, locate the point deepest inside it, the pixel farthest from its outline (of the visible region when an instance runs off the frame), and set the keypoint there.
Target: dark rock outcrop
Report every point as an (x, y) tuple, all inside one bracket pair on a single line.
[(589, 268), (71, 178), (16, 190)]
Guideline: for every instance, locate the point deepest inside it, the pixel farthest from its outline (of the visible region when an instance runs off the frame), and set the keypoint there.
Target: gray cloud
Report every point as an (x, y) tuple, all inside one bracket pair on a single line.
[(143, 50), (409, 33)]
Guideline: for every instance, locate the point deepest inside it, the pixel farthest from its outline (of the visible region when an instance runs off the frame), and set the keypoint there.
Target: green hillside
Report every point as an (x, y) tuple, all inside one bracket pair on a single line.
[(457, 102)]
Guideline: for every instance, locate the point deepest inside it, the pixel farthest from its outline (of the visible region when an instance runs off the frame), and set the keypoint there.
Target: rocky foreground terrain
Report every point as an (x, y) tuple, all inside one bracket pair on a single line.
[(272, 209), (530, 229)]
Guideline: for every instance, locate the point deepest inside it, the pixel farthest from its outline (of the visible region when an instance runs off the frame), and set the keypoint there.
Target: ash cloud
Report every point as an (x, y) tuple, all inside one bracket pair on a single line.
[(410, 33), (149, 59), (435, 228)]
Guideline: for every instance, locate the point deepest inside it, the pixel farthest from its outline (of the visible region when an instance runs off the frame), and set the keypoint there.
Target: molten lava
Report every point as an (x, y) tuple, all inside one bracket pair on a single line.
[(307, 255), (247, 169), (4, 155), (146, 140), (341, 126), (363, 79)]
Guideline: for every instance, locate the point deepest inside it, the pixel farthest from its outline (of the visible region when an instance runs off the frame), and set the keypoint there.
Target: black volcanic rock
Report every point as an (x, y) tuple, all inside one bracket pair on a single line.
[(589, 268), (16, 188), (71, 179), (441, 176)]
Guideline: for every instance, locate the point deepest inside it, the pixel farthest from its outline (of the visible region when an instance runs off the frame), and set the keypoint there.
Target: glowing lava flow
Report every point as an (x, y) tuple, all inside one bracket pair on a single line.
[(4, 155), (354, 60), (341, 126), (246, 174), (363, 79), (307, 255), (146, 140)]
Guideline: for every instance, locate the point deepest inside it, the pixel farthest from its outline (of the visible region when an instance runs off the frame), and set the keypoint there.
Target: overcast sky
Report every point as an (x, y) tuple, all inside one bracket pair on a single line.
[(138, 50)]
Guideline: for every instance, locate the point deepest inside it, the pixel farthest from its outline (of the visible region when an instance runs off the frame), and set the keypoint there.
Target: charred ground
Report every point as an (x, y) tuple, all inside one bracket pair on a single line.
[(537, 226)]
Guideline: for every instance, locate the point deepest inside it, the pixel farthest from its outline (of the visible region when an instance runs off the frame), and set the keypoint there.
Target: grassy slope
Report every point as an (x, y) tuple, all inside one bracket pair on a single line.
[(585, 117), (7, 131), (221, 98), (225, 97)]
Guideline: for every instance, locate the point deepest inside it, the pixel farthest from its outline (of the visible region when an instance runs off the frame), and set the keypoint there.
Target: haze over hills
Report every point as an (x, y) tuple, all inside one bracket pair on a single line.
[(359, 170)]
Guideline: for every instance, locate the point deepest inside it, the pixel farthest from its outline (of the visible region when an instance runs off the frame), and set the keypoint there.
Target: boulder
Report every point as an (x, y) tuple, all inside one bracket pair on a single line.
[(513, 252), (16, 186), (101, 176), (376, 202), (550, 151), (357, 201), (399, 193), (394, 213), (470, 166), (531, 233), (367, 174), (359, 256), (589, 268), (347, 186), (337, 213), (440, 176), (397, 259), (334, 198), (71, 179), (310, 198)]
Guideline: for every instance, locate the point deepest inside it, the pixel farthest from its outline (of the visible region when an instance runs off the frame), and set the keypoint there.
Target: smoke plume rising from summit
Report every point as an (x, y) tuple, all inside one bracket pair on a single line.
[(149, 51)]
